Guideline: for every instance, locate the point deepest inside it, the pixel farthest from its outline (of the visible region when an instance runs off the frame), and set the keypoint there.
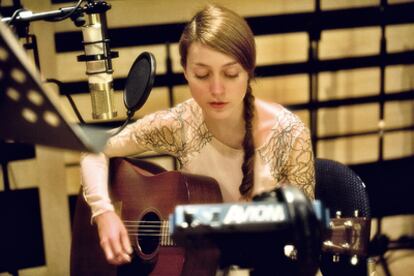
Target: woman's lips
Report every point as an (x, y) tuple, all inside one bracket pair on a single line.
[(217, 105)]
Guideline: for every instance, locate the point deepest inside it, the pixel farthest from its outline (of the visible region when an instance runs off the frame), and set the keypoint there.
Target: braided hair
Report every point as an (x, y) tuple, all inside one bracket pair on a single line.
[(246, 186)]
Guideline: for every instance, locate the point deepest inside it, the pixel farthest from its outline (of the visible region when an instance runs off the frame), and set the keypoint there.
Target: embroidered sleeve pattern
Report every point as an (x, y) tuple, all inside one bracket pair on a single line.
[(179, 131), (289, 154), (195, 132), (157, 132), (160, 132), (299, 169)]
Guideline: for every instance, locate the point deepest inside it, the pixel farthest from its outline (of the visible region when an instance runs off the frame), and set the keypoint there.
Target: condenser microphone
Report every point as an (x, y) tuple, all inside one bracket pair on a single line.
[(98, 60)]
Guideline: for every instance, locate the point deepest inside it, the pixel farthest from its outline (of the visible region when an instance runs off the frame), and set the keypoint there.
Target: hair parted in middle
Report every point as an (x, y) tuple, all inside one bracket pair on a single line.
[(227, 32)]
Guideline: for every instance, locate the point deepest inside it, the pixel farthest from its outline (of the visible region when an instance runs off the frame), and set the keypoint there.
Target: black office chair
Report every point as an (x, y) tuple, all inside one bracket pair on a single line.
[(340, 189)]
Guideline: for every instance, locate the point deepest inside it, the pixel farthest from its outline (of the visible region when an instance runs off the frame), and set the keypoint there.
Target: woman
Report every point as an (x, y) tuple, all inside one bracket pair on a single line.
[(248, 145)]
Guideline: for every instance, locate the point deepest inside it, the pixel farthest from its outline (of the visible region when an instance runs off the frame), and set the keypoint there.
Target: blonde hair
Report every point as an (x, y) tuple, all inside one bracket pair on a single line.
[(227, 32)]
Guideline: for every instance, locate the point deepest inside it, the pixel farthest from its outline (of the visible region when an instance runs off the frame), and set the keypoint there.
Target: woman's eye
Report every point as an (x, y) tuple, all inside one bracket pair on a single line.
[(201, 76), (231, 75)]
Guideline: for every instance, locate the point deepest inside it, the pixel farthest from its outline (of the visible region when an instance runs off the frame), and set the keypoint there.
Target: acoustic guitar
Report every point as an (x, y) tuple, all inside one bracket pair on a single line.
[(144, 195)]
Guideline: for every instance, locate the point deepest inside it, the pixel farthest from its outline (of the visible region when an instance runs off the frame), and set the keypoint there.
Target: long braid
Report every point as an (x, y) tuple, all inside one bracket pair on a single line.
[(246, 186)]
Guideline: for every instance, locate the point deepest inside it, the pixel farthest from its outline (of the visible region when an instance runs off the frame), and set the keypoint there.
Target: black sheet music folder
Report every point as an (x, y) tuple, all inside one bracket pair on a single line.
[(29, 113)]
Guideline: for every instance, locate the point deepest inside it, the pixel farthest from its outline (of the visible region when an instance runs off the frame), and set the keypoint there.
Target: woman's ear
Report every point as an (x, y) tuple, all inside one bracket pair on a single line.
[(185, 73)]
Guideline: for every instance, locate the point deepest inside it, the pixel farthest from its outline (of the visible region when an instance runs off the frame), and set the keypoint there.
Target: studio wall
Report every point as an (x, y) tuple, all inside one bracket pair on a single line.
[(361, 109)]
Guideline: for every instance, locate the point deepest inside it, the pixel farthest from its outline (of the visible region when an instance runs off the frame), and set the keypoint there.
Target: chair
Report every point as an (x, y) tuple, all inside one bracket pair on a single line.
[(340, 189)]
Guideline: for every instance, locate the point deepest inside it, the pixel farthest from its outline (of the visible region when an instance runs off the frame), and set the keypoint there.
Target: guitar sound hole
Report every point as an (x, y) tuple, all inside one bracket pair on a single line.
[(149, 231)]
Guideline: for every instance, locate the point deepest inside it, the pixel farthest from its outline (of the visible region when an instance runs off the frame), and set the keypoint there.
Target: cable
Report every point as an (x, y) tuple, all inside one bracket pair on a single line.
[(379, 246), (70, 99), (14, 16), (384, 265), (127, 121), (67, 15), (130, 114)]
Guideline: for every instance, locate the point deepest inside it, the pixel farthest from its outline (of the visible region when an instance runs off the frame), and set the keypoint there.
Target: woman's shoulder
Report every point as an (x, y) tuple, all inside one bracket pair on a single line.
[(188, 107), (189, 113), (275, 116), (283, 127), (182, 111)]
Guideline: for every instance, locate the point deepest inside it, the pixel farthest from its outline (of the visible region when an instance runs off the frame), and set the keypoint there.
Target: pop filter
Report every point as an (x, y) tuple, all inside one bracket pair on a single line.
[(139, 81), (138, 85)]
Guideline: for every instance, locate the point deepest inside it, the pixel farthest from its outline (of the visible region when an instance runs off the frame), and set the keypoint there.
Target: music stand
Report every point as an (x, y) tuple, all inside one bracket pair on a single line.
[(29, 112)]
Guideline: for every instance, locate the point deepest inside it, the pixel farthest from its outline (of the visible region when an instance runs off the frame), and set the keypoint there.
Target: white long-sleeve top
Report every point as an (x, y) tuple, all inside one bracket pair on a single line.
[(285, 157)]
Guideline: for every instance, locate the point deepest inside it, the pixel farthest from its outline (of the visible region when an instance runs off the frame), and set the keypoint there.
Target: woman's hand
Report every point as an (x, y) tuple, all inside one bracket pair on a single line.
[(113, 238)]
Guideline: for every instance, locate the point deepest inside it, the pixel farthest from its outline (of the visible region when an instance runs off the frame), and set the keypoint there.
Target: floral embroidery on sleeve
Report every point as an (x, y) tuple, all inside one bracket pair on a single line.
[(299, 169), (179, 131), (289, 153)]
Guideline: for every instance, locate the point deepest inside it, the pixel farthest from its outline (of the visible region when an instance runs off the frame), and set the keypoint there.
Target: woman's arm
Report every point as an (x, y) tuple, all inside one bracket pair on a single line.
[(299, 169), (94, 168), (145, 134), (112, 233), (158, 132)]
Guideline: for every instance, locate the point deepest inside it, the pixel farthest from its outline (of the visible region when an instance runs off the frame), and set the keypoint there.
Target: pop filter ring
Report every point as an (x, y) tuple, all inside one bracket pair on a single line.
[(133, 104)]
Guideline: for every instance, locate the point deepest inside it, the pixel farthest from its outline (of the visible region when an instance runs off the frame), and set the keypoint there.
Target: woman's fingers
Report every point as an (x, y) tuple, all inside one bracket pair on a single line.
[(107, 248), (113, 238), (120, 256), (119, 259), (126, 244)]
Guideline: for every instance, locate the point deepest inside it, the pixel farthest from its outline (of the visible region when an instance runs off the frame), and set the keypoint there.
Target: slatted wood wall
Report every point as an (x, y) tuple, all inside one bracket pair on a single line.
[(356, 96)]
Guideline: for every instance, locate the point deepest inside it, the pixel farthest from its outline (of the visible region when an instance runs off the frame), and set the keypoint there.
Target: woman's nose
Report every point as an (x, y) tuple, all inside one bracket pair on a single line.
[(216, 86)]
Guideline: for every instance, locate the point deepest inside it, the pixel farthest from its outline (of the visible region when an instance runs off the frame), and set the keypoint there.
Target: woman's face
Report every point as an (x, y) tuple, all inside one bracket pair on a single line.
[(217, 82)]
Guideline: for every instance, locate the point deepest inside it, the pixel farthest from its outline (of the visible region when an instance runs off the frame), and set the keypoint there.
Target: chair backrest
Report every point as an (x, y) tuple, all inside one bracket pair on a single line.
[(340, 189)]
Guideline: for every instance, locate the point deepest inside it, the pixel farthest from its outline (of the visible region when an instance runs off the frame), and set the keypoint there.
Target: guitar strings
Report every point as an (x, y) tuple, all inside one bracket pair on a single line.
[(143, 222), (147, 228), (143, 229), (147, 225)]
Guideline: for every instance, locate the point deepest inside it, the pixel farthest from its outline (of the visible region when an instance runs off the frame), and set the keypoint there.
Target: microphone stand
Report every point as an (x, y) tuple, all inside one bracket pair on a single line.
[(22, 18), (28, 16), (74, 12), (381, 243)]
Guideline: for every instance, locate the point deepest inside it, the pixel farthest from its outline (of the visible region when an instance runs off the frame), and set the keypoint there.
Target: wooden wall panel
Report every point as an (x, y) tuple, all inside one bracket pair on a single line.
[(399, 114), (354, 150), (349, 42), (348, 119), (285, 48), (288, 90), (285, 90), (143, 12), (398, 145), (399, 78), (341, 4), (400, 37), (349, 83)]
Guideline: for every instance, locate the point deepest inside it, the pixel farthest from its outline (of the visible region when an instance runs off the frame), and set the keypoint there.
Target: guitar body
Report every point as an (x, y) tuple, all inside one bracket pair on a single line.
[(144, 201)]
